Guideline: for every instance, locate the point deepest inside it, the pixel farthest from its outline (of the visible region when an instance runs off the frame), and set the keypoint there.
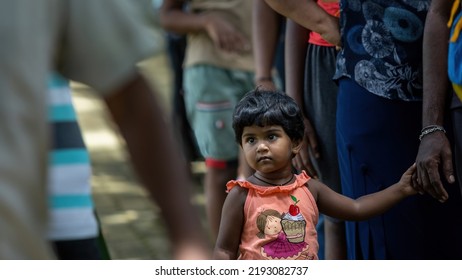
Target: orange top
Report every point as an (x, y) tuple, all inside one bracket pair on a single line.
[(279, 222), (332, 8)]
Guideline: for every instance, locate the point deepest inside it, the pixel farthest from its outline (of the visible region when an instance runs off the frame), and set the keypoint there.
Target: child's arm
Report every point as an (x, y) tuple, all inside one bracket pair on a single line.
[(231, 225), (338, 206)]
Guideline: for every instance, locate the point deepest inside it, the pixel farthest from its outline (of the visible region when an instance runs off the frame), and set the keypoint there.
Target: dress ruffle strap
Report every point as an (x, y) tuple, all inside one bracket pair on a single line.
[(300, 181)]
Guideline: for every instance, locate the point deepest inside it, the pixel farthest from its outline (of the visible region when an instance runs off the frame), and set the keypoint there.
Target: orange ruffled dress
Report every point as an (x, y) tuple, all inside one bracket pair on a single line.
[(270, 230)]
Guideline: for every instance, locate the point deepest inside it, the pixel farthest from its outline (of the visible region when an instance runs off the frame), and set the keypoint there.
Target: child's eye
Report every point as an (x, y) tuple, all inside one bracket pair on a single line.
[(272, 137), (250, 140)]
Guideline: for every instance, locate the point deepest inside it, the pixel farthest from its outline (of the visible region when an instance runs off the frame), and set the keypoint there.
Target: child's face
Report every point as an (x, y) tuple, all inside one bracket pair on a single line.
[(267, 149), (273, 225)]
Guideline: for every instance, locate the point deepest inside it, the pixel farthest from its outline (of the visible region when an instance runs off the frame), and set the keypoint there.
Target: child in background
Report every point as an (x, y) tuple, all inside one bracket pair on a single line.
[(218, 70), (73, 226), (273, 214)]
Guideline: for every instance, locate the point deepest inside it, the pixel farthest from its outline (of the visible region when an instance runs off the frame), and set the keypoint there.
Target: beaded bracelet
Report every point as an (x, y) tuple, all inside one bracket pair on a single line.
[(430, 129)]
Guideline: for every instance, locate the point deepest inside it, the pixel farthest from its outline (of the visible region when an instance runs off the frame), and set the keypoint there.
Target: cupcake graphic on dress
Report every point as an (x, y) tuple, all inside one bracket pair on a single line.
[(278, 247), (293, 223)]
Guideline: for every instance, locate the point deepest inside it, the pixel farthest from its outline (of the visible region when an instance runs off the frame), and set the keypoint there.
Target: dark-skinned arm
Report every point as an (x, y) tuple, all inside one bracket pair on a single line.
[(158, 163), (174, 18), (266, 25), (231, 225), (308, 14), (339, 206), (295, 54), (434, 150)]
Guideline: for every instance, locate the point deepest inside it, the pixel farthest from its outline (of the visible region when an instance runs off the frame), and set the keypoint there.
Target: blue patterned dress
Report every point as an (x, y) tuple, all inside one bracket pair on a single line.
[(379, 117), (382, 46)]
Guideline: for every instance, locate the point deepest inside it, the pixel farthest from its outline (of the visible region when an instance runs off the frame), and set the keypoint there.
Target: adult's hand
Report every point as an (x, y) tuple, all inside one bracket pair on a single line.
[(434, 155), (302, 160), (331, 31)]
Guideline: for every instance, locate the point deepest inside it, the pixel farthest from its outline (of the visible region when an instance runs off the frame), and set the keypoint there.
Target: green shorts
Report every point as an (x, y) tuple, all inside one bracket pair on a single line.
[(211, 93)]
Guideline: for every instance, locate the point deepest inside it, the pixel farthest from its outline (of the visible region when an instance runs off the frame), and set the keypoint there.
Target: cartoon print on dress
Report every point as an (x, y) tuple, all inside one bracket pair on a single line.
[(287, 233)]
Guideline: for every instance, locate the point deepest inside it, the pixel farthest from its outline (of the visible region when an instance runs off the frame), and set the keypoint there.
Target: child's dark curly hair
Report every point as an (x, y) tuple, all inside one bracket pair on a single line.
[(263, 107)]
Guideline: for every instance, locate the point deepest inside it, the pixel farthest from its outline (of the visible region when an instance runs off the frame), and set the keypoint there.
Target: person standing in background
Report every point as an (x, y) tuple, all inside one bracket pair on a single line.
[(73, 227), (176, 48), (310, 67), (379, 71), (97, 43), (218, 71), (439, 155)]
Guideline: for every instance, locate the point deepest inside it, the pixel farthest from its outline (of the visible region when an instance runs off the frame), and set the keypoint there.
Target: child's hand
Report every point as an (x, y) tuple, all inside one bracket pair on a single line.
[(407, 183), (411, 186)]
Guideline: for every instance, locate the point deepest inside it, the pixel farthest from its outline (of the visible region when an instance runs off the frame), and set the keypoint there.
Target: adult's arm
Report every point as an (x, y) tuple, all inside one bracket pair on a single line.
[(311, 16), (434, 150), (295, 55), (174, 18), (266, 25), (157, 161)]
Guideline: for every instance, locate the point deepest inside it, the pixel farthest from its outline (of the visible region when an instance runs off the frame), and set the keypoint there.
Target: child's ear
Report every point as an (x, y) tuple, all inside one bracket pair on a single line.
[(297, 146)]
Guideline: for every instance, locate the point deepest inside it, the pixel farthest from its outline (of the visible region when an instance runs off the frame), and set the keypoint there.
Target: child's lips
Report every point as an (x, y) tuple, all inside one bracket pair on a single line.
[(263, 159)]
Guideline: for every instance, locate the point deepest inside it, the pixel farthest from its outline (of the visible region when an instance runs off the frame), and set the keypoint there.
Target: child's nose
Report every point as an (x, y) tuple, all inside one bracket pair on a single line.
[(262, 147)]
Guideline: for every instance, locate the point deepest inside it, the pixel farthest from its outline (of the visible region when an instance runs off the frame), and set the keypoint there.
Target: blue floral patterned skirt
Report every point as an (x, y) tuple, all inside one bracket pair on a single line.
[(377, 140)]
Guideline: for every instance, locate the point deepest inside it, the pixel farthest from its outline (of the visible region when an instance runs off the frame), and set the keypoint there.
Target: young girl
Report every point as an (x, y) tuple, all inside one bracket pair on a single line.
[(273, 214)]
